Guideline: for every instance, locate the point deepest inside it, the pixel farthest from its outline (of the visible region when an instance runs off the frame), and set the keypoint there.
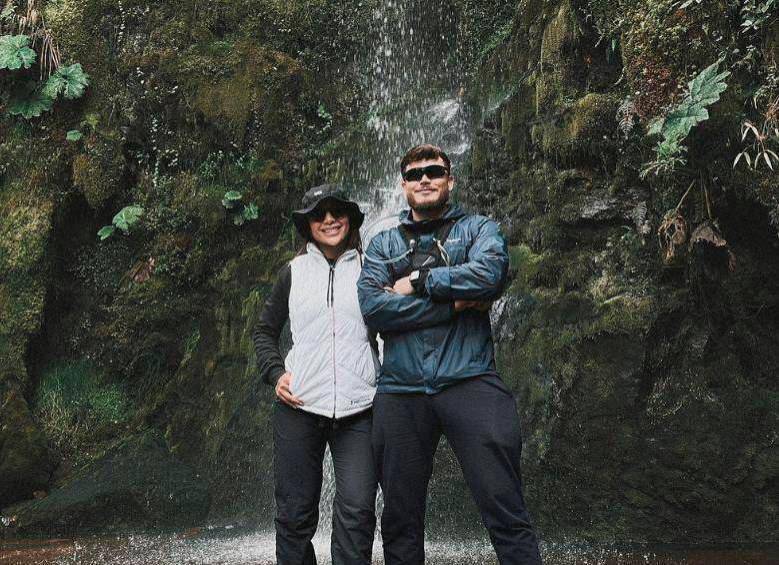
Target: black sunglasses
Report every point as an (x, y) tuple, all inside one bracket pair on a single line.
[(318, 214), (432, 172)]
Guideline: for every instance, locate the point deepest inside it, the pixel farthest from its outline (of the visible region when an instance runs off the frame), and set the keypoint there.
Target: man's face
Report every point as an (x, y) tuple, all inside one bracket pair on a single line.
[(427, 193)]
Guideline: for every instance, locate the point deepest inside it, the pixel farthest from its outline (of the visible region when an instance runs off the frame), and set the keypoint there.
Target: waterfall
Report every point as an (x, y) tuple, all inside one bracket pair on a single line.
[(413, 97)]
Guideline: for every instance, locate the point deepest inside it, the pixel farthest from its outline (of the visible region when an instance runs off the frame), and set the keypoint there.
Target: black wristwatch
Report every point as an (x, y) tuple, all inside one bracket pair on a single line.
[(417, 279)]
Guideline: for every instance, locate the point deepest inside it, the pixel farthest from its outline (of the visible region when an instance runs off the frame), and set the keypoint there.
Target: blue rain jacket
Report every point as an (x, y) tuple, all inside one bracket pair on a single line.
[(427, 345)]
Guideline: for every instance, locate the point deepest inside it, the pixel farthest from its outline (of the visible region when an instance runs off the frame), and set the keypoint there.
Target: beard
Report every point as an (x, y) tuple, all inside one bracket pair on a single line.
[(429, 205)]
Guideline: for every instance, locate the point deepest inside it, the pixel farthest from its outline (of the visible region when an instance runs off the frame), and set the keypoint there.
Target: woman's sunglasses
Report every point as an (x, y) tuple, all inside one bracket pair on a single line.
[(318, 214), (432, 172)]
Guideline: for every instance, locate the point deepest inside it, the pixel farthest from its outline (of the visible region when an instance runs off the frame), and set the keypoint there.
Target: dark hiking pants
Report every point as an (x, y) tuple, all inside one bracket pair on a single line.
[(479, 419), (299, 441)]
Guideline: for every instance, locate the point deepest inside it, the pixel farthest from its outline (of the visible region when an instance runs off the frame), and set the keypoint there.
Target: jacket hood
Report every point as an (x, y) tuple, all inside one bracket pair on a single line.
[(453, 212)]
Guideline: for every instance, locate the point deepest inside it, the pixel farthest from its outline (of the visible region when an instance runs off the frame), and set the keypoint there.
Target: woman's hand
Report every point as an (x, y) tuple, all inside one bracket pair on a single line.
[(284, 393)]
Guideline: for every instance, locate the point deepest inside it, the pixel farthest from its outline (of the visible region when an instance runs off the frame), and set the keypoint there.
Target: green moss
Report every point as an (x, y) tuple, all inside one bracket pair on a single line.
[(77, 410), (544, 232), (557, 66), (24, 231), (522, 258), (229, 87), (626, 314), (663, 46), (584, 134), (98, 172), (24, 234), (516, 113)]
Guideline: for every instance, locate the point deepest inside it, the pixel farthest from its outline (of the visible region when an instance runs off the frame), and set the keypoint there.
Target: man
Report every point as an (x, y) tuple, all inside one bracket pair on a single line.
[(427, 286)]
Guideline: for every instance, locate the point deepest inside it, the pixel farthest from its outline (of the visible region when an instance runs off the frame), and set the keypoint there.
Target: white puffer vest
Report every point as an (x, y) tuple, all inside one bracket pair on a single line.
[(332, 362)]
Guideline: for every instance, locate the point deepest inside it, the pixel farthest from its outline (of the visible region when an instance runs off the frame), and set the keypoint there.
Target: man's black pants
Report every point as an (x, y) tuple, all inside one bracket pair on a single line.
[(299, 440), (479, 419)]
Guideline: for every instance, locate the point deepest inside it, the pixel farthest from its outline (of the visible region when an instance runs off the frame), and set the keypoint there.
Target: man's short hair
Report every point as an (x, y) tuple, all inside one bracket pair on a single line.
[(423, 152)]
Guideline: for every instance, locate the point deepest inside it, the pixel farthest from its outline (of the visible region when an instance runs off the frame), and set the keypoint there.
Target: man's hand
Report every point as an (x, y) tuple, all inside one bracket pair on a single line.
[(403, 286), (460, 305), (284, 393)]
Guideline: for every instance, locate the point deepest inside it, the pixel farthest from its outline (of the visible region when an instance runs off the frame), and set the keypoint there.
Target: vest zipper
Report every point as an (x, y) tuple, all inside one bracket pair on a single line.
[(331, 300)]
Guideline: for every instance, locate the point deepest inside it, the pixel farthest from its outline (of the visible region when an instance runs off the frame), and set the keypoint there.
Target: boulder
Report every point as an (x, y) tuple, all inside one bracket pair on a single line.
[(26, 463), (138, 484)]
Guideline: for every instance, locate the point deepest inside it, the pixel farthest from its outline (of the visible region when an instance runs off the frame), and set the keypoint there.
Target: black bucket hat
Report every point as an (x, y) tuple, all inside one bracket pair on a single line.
[(316, 196)]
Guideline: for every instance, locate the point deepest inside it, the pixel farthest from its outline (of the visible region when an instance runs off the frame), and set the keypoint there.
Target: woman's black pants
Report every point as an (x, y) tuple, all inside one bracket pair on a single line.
[(299, 440)]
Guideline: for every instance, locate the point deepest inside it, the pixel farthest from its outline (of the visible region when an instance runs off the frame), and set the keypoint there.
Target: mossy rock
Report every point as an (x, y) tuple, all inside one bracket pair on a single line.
[(555, 80), (24, 230), (138, 484), (24, 235), (26, 464), (584, 133), (99, 171), (231, 87), (516, 114)]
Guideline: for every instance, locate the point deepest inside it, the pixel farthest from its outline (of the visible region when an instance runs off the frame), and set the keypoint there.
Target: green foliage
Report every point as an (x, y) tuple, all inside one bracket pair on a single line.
[(106, 232), (703, 90), (15, 52), (501, 35), (325, 115), (232, 199), (77, 410), (127, 217), (74, 135), (69, 81), (124, 220), (28, 98), (239, 212), (27, 101), (755, 14)]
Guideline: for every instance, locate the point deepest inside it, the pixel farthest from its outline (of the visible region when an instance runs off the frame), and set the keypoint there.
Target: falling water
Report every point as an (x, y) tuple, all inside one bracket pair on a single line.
[(413, 97)]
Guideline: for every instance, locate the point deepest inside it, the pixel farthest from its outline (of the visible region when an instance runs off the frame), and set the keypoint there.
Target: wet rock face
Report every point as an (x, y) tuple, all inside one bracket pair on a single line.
[(137, 485), (26, 464), (185, 104), (647, 394)]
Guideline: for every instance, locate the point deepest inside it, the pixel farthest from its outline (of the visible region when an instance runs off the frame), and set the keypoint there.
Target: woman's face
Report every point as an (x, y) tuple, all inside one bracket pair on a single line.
[(329, 224)]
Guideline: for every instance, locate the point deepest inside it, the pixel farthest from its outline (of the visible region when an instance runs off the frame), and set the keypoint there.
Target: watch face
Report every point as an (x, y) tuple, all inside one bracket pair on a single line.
[(414, 276)]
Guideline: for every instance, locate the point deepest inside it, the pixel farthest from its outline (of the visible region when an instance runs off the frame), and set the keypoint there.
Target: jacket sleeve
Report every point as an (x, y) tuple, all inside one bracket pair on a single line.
[(386, 311), (268, 329), (481, 277)]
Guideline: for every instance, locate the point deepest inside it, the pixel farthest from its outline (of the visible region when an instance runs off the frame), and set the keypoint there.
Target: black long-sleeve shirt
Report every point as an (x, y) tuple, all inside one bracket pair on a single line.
[(267, 332)]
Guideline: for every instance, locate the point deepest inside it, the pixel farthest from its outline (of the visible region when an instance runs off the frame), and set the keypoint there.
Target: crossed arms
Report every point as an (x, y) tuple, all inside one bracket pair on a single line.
[(479, 279)]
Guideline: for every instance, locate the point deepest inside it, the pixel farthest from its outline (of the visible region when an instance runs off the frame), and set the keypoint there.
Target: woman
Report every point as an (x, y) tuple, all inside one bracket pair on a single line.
[(324, 387)]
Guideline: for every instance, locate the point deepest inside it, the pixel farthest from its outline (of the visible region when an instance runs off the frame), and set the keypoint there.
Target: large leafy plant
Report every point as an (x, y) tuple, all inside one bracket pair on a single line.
[(124, 220), (70, 82), (15, 52), (702, 91), (237, 210), (35, 81)]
